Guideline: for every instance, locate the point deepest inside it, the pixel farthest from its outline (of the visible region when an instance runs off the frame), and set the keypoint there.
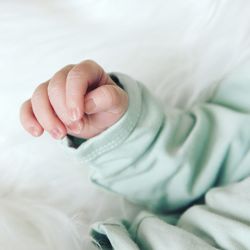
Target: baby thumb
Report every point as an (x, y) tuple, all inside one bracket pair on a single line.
[(106, 98)]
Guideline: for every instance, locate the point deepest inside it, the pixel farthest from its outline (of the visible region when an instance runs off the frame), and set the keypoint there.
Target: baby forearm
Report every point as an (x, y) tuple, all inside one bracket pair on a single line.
[(166, 160)]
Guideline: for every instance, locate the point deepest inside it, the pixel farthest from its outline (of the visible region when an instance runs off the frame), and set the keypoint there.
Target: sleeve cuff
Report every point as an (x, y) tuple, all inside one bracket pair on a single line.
[(117, 133)]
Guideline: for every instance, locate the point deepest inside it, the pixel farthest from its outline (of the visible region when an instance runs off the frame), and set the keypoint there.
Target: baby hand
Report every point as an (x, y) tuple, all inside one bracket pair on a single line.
[(81, 100)]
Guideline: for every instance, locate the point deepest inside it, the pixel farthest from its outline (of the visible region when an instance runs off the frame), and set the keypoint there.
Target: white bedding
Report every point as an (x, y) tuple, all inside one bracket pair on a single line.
[(46, 199)]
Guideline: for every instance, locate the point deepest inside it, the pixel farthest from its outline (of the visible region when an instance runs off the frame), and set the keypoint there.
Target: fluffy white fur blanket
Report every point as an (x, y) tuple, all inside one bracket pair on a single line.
[(180, 49)]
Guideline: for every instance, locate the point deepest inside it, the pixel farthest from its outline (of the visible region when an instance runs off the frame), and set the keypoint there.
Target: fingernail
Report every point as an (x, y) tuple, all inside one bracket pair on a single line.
[(75, 114), (76, 127), (34, 131), (56, 133), (90, 105)]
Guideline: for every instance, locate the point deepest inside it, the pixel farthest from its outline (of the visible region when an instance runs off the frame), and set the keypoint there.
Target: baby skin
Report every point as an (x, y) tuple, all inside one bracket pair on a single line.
[(81, 100)]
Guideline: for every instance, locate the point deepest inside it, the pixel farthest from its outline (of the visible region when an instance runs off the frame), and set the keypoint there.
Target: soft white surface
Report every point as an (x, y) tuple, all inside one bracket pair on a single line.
[(177, 48)]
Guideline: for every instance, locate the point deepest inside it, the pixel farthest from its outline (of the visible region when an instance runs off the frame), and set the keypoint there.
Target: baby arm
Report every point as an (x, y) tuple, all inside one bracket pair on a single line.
[(166, 159)]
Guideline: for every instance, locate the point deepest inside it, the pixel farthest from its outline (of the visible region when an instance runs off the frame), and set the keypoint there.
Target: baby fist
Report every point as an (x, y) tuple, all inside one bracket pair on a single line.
[(80, 100)]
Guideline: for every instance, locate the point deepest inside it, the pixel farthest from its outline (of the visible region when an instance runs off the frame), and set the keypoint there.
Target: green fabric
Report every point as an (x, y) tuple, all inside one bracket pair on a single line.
[(221, 223), (167, 159)]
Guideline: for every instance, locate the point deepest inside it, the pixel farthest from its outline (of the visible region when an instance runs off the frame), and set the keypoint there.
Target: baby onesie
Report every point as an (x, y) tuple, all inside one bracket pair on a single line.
[(166, 159)]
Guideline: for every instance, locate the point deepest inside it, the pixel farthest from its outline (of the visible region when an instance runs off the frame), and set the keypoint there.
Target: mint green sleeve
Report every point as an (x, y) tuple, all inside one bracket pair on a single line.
[(166, 158)]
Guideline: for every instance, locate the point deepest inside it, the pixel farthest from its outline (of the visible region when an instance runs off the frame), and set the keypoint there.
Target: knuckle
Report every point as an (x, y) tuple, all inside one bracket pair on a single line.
[(54, 84), (58, 79), (75, 73), (78, 70), (86, 66), (89, 62), (24, 108), (38, 92), (52, 88), (24, 104), (68, 67)]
